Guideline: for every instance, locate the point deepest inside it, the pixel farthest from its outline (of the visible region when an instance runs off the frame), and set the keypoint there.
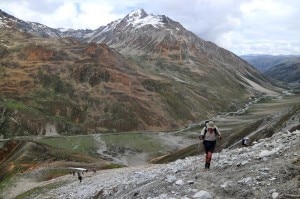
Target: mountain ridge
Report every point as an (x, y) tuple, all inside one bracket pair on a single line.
[(159, 77), (165, 40), (281, 68)]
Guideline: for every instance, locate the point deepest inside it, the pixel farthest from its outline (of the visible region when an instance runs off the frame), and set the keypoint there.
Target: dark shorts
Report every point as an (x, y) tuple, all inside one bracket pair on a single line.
[(209, 146)]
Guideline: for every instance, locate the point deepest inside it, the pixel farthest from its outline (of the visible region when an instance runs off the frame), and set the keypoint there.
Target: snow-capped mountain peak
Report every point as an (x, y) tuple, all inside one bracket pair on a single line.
[(139, 18), (135, 23), (137, 14), (9, 21)]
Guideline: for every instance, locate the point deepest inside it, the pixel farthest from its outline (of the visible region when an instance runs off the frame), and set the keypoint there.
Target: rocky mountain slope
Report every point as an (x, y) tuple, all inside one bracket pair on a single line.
[(281, 67), (61, 86), (164, 78), (265, 62), (269, 168), (9, 21), (158, 76), (288, 71), (167, 47)]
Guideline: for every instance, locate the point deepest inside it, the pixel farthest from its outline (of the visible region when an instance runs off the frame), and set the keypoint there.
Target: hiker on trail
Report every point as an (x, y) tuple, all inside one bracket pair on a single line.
[(79, 177), (209, 135), (245, 141)]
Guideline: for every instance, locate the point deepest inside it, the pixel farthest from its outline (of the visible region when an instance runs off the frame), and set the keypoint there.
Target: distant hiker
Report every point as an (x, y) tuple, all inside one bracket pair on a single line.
[(79, 177), (73, 173), (209, 135), (245, 141), (94, 170)]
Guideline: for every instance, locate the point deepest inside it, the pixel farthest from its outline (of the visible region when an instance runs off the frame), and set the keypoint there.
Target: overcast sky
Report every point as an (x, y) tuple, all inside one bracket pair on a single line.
[(241, 26)]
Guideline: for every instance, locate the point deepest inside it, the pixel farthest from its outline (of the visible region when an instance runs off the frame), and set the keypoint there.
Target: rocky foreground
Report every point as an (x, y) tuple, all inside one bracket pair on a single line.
[(269, 168)]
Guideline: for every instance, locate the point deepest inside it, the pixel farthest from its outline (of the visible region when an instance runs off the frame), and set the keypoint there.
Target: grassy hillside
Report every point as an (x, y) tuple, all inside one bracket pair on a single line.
[(258, 122), (61, 86), (20, 157)]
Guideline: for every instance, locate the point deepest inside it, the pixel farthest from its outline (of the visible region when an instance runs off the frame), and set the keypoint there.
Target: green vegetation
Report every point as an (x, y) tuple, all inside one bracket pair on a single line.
[(267, 99), (178, 105), (134, 142), (6, 176), (139, 59), (18, 105), (154, 85), (122, 143), (120, 116), (111, 166), (34, 112), (49, 174), (54, 82), (3, 51), (80, 144)]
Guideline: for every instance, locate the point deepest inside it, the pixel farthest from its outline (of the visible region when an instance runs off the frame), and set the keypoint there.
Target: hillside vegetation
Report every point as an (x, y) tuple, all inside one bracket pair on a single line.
[(61, 86), (53, 83)]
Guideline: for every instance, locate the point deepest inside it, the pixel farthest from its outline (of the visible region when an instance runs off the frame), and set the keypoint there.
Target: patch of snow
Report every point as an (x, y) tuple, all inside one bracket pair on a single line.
[(149, 20), (139, 19)]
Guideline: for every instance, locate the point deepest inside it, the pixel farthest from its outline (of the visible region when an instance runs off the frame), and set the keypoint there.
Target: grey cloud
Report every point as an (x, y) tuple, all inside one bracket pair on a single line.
[(45, 6), (205, 18)]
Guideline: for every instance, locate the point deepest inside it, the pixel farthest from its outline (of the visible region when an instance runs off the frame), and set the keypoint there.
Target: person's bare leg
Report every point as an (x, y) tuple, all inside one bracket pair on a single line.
[(208, 159)]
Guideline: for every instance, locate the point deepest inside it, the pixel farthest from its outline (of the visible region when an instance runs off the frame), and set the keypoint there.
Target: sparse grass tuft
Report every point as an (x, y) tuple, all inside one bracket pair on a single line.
[(111, 166), (49, 174), (38, 190), (134, 143), (267, 99), (81, 144), (16, 105)]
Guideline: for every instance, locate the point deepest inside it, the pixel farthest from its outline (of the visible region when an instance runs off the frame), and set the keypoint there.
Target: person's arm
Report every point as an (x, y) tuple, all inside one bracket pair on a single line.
[(201, 136), (219, 134)]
